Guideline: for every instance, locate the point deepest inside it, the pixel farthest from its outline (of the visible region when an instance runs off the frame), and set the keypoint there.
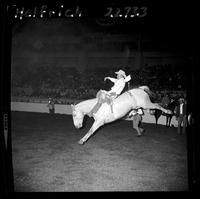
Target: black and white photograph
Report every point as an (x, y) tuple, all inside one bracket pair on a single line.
[(101, 97)]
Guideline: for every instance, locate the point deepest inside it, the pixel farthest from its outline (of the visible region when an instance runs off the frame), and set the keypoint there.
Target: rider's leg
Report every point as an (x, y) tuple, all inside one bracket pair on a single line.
[(113, 95), (97, 106)]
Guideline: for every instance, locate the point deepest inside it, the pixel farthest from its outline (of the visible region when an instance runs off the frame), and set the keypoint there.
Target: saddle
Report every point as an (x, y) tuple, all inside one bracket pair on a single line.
[(107, 97), (103, 97)]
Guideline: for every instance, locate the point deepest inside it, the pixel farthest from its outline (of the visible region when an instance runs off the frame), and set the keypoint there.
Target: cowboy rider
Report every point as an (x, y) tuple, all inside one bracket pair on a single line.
[(116, 89)]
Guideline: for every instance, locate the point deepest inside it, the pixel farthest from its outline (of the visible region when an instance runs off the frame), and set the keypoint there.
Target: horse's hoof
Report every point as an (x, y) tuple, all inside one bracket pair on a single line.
[(81, 142), (139, 135)]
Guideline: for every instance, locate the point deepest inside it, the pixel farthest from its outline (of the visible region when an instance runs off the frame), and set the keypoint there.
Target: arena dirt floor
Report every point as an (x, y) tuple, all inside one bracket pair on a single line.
[(48, 158)]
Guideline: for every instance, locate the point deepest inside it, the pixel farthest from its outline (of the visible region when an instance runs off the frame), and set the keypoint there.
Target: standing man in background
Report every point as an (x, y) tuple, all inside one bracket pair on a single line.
[(137, 120), (180, 113), (51, 106), (165, 100)]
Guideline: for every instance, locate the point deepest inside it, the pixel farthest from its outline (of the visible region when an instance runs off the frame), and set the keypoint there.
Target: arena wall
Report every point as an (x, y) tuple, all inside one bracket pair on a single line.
[(66, 109)]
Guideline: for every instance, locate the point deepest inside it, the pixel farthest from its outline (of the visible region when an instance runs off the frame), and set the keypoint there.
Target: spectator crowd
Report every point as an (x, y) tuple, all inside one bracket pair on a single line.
[(68, 84)]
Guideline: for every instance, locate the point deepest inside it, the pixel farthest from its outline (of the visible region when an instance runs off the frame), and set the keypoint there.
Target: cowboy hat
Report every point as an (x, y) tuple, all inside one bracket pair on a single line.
[(121, 72)]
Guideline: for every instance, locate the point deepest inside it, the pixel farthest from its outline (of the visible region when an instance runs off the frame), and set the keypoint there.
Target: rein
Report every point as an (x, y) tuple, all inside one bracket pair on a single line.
[(130, 93)]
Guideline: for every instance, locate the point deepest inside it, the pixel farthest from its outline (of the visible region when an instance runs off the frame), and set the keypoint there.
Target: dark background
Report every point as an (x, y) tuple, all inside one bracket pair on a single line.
[(75, 47)]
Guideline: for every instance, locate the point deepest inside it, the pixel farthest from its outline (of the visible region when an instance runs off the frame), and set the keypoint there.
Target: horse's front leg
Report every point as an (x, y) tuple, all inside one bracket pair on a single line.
[(94, 127)]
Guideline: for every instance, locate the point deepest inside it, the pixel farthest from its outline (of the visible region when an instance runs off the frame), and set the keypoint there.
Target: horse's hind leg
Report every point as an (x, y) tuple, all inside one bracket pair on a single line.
[(157, 115), (170, 119), (150, 105), (167, 120), (94, 127), (156, 119)]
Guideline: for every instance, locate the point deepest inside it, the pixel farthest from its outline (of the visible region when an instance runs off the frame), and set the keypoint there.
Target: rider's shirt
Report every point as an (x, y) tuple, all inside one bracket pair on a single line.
[(119, 84)]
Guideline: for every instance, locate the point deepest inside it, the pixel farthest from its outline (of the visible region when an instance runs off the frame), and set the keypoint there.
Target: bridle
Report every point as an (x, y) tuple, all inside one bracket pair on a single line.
[(75, 115)]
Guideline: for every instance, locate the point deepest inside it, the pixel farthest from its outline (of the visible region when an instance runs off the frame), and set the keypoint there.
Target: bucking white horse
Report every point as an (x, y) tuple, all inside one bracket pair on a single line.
[(132, 99)]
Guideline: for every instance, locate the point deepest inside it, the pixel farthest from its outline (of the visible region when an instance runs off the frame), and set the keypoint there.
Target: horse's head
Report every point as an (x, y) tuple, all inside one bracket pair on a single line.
[(77, 116)]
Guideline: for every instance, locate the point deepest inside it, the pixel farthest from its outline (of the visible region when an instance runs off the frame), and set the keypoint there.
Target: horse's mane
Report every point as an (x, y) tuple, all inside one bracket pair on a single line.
[(133, 87)]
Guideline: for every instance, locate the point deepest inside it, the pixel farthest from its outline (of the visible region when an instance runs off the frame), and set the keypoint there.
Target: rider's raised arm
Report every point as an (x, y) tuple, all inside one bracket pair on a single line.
[(111, 79), (128, 78)]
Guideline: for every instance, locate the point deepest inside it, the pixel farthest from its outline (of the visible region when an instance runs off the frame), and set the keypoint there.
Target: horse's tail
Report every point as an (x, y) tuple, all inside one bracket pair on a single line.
[(148, 91)]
